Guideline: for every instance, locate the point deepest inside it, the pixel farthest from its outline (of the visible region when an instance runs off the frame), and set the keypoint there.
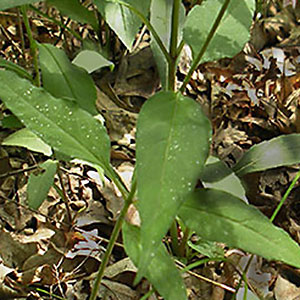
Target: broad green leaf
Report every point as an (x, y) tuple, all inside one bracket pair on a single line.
[(161, 20), (91, 61), (64, 80), (27, 139), (218, 176), (121, 19), (172, 146), (13, 67), (62, 124), (280, 151), (232, 33), (160, 266), (222, 217), (5, 4), (39, 185), (74, 10)]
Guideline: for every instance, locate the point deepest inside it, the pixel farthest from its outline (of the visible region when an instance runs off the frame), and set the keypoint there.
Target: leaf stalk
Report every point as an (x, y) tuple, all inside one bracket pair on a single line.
[(113, 238), (33, 45), (150, 27), (173, 45)]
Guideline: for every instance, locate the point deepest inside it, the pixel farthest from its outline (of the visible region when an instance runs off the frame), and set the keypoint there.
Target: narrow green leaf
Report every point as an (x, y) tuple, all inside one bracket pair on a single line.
[(13, 67), (74, 10), (39, 185), (222, 217), (5, 4), (91, 61), (121, 19), (60, 123), (280, 151), (232, 33), (172, 146), (160, 266), (27, 139), (64, 80)]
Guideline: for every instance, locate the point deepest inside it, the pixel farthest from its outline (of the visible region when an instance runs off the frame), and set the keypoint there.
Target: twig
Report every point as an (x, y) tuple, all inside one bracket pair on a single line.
[(221, 285), (20, 171)]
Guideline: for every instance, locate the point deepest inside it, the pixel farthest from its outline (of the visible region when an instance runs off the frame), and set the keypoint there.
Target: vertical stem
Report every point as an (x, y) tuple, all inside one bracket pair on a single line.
[(150, 28), (20, 26), (205, 45), (173, 45), (110, 172), (113, 238), (65, 195), (285, 196), (33, 46)]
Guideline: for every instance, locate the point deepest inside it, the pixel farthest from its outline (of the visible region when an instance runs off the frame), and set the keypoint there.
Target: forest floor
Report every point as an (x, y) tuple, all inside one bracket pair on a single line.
[(54, 252)]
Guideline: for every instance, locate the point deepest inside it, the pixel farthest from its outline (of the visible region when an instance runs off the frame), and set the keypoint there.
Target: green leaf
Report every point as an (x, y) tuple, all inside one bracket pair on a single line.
[(232, 33), (39, 185), (74, 10), (280, 151), (64, 80), (5, 4), (91, 61), (160, 266), (62, 124), (161, 20), (222, 217), (172, 146), (121, 19), (217, 175), (13, 67), (27, 139), (215, 170)]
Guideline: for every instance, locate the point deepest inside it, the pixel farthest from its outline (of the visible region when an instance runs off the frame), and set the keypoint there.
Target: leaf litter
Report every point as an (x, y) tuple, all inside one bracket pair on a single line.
[(47, 249)]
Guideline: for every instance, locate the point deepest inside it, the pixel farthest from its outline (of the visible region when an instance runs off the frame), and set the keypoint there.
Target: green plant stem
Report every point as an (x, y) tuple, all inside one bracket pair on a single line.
[(60, 24), (65, 196), (33, 46), (245, 287), (150, 28), (243, 275), (20, 27), (113, 238), (173, 45), (201, 262), (146, 296), (286, 194), (111, 173), (212, 32)]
